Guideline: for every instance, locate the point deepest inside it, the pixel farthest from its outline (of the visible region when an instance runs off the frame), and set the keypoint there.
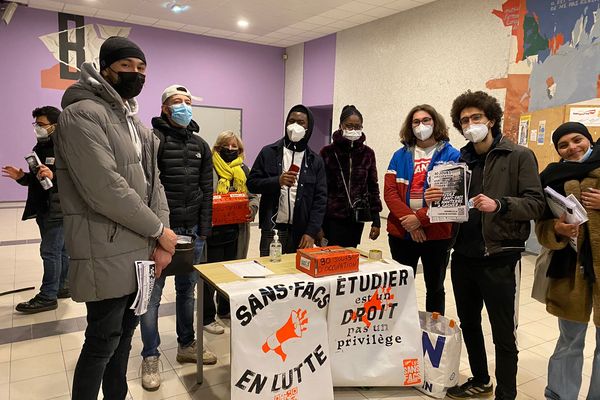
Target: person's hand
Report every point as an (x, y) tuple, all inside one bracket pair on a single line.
[(590, 198), (161, 259), (564, 229), (418, 235), (410, 222), (433, 194), (44, 172), (11, 172), (288, 178), (307, 241), (168, 240), (484, 203), (249, 216), (374, 234)]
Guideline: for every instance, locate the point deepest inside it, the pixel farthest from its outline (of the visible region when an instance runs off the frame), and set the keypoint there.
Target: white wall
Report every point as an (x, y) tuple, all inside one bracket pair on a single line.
[(294, 74), (428, 54)]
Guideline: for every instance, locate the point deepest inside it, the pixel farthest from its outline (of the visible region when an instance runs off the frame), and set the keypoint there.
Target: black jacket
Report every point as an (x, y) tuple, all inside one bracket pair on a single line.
[(311, 198), (42, 202), (186, 172), (507, 173)]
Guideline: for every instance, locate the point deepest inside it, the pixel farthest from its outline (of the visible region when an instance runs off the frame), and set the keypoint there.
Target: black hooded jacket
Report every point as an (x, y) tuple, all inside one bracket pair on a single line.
[(186, 172), (42, 202), (311, 198)]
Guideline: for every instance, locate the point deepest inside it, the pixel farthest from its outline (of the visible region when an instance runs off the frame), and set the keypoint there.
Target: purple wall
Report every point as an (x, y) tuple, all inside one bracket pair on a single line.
[(225, 73), (323, 127), (319, 71)]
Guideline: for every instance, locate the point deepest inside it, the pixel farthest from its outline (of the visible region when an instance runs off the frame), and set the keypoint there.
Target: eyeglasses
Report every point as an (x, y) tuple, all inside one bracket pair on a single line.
[(40, 125), (426, 120), (475, 118), (351, 127)]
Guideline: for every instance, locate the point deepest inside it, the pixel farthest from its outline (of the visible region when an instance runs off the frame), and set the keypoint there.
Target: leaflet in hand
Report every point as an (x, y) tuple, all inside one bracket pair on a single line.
[(453, 179), (145, 271), (574, 212)]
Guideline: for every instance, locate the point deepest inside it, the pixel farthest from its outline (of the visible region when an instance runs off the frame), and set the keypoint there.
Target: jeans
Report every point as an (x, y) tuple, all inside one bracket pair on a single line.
[(565, 365), (184, 305), (105, 352), (434, 255), (495, 283), (54, 257)]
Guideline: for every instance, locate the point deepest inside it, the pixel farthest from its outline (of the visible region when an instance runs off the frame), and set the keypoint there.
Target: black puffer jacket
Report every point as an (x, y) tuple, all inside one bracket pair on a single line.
[(42, 202), (186, 172)]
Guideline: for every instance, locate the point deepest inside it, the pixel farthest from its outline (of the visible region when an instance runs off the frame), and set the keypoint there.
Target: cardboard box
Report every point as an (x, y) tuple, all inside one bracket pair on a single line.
[(323, 261), (230, 208)]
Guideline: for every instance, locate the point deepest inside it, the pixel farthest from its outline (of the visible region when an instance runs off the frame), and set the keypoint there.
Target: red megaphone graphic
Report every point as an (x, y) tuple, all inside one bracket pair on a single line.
[(293, 328)]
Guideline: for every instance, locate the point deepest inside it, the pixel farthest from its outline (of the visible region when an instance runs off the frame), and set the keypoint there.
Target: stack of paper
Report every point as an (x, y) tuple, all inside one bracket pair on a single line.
[(249, 269), (453, 179), (145, 271), (572, 209)]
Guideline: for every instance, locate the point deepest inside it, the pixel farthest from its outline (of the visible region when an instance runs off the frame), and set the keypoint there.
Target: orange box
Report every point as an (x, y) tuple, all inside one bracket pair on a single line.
[(230, 208), (330, 260)]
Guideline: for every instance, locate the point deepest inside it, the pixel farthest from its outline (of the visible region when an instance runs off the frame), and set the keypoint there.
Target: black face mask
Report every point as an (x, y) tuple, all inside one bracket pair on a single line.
[(129, 84), (229, 155)]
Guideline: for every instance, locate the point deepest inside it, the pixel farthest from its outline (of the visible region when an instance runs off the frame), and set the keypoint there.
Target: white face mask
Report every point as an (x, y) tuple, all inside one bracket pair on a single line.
[(423, 132), (40, 132), (352, 135), (475, 133), (295, 132)]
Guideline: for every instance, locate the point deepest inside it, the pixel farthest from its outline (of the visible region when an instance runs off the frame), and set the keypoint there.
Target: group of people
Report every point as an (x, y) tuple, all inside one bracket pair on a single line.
[(126, 193)]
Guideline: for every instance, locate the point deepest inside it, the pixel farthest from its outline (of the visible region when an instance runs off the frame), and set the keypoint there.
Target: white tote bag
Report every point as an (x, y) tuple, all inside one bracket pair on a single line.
[(540, 280), (442, 340)]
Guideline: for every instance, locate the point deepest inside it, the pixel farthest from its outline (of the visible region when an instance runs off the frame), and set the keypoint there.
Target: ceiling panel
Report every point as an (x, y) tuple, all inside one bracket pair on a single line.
[(274, 22)]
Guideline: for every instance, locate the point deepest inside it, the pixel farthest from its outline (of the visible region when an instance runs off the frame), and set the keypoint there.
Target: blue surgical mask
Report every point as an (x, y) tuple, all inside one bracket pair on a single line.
[(181, 114), (587, 155)]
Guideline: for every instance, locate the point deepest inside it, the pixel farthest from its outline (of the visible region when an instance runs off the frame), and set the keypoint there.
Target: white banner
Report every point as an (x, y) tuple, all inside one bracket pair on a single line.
[(279, 339), (374, 330)]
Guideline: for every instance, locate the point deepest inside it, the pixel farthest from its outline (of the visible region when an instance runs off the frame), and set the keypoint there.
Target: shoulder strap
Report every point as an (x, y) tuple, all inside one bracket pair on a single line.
[(342, 174)]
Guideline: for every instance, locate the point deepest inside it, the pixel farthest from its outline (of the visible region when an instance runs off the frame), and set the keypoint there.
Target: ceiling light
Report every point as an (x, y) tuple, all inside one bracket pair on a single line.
[(242, 23), (175, 7)]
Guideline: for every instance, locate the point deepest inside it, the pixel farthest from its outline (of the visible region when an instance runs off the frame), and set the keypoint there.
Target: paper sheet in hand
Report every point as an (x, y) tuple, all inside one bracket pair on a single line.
[(145, 272), (453, 179), (574, 212), (248, 268)]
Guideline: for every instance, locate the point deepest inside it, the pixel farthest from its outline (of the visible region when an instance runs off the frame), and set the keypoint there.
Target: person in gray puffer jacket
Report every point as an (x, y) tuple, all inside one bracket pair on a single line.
[(114, 207)]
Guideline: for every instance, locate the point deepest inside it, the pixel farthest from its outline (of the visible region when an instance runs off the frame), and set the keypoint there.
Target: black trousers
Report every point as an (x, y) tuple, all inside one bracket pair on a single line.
[(342, 232), (285, 237), (105, 352), (434, 255), (218, 250), (494, 283)]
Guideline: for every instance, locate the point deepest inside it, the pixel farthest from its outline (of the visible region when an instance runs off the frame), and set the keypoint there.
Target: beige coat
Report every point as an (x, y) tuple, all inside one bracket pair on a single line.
[(113, 204), (572, 298)]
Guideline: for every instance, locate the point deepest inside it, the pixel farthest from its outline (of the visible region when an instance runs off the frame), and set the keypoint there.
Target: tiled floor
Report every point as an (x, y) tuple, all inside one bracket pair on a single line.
[(43, 368)]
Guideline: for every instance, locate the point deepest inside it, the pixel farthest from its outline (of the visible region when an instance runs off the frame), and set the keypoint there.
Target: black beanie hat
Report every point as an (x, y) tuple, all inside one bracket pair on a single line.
[(570, 127), (116, 48)]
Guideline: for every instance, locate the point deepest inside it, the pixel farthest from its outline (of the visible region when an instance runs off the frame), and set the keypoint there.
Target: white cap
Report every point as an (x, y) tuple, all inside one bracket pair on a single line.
[(177, 89)]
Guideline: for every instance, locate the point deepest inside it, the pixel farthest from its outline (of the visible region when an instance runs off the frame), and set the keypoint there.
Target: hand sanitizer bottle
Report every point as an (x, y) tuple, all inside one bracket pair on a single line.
[(275, 248)]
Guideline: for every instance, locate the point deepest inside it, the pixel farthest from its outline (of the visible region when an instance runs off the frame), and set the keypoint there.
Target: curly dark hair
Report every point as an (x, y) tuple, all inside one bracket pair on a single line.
[(440, 130), (49, 112), (488, 104)]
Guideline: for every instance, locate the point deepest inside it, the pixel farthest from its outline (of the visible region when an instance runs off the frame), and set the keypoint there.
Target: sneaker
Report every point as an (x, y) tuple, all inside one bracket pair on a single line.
[(64, 293), (471, 389), (188, 355), (36, 305), (208, 357), (150, 374), (215, 328)]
